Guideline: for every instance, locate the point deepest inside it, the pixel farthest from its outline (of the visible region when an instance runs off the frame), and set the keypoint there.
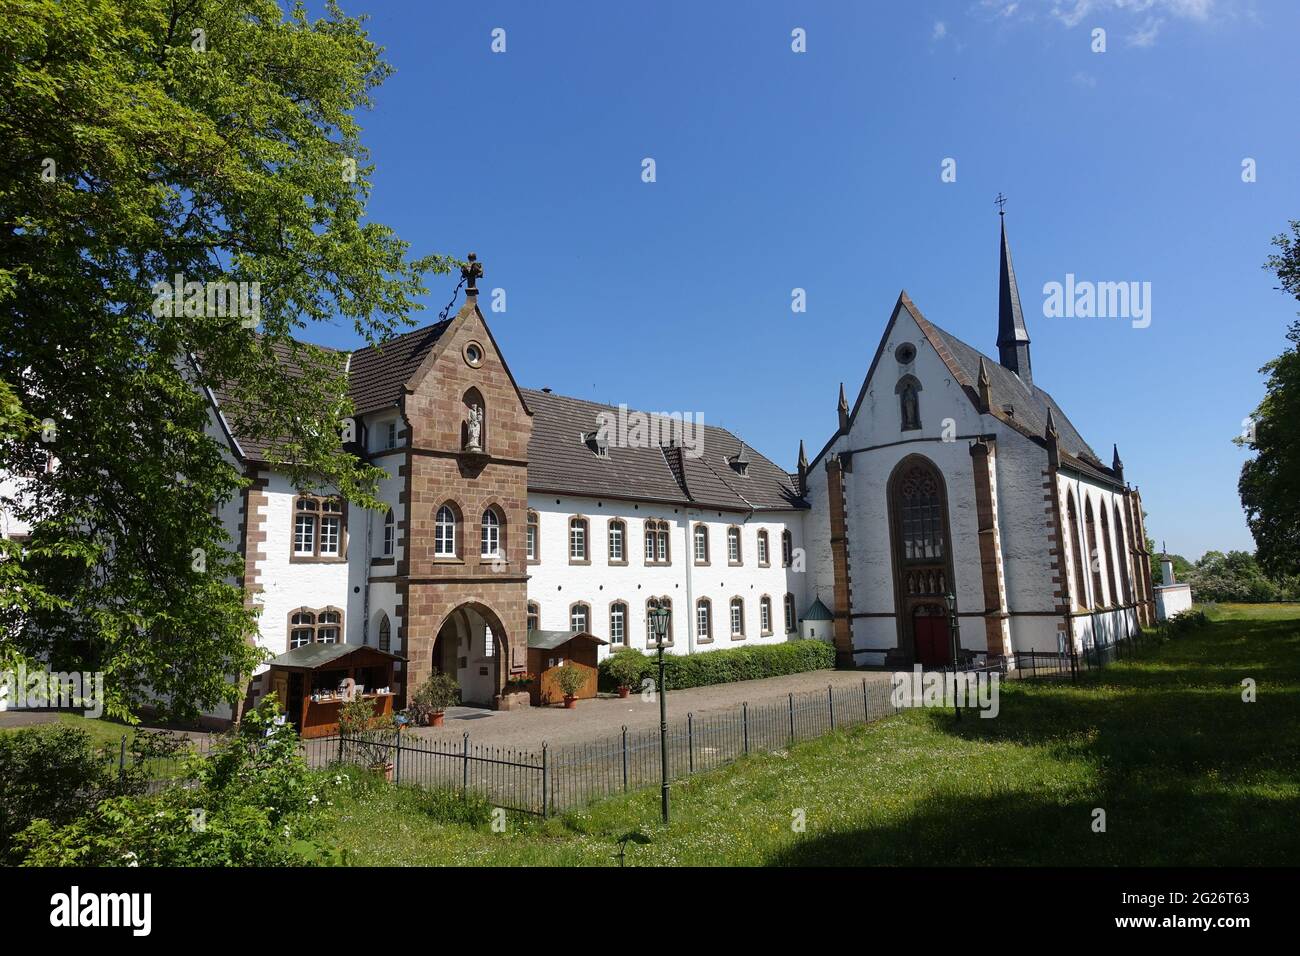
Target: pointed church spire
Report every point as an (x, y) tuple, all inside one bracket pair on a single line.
[(1013, 337), (1116, 465), (984, 387), (803, 469), (843, 410)]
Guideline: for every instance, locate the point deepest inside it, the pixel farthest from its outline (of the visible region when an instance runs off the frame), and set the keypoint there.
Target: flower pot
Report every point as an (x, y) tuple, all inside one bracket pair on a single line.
[(437, 718), (570, 702), (624, 690), (383, 768)]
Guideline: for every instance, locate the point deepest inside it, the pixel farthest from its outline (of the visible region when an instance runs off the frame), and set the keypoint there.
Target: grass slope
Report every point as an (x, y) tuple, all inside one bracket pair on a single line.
[(1186, 771)]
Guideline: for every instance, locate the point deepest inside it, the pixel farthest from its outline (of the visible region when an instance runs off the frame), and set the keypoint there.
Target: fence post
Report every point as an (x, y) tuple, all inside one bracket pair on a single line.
[(546, 778), (464, 776), (830, 696), (792, 718), (121, 759), (690, 743), (866, 718), (744, 722), (625, 758), (340, 746), (397, 755)]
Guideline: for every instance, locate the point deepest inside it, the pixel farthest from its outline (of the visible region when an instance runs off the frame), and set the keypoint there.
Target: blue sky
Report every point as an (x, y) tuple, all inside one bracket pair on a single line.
[(821, 170)]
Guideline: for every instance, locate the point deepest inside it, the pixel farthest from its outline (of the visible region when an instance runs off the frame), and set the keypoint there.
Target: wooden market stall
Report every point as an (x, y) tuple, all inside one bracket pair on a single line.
[(548, 650), (314, 681)]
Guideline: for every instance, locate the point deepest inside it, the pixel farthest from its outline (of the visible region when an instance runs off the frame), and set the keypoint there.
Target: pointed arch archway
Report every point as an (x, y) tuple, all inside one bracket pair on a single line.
[(921, 548)]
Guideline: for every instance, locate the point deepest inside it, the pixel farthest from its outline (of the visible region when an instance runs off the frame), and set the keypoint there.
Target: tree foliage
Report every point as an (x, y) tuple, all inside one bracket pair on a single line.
[(1237, 577), (1270, 481), (142, 140)]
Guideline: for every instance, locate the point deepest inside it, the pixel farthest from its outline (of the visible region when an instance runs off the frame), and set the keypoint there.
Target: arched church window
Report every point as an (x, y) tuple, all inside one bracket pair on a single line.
[(385, 634), (1110, 556), (1122, 555), (1094, 553), (444, 533), (920, 508), (909, 402), (1072, 513)]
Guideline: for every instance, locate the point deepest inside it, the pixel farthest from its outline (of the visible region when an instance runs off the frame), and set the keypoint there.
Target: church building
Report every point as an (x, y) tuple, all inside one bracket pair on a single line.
[(512, 510)]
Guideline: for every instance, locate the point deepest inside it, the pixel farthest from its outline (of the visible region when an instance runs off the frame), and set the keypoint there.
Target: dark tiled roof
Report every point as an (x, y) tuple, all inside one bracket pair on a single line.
[(560, 462), (378, 372), (1027, 404)]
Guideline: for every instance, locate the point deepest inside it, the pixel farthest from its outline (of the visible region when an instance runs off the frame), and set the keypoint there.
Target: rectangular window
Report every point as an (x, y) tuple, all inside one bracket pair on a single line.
[(737, 618), (662, 540), (615, 541), (329, 535), (578, 541), (649, 546), (765, 616), (702, 622), (762, 549), (733, 546), (392, 435), (530, 539), (304, 535), (299, 637), (578, 618), (389, 539), (789, 613), (617, 623), (701, 545)]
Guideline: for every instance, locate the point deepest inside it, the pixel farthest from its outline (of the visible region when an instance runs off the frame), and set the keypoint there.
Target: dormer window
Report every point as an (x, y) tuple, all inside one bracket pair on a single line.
[(391, 437), (738, 462), (597, 443)]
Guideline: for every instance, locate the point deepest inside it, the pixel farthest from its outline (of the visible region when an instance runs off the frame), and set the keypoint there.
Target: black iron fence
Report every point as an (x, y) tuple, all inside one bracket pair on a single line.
[(1095, 654)]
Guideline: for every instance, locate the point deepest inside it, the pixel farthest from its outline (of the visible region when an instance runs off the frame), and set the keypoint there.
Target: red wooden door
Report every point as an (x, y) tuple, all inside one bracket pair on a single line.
[(932, 643)]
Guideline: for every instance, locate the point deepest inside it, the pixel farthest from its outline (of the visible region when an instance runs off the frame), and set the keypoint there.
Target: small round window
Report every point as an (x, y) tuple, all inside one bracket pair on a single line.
[(474, 354), (905, 353)]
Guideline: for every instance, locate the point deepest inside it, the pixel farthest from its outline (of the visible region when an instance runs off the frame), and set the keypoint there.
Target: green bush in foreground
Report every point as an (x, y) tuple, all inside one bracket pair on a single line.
[(720, 667)]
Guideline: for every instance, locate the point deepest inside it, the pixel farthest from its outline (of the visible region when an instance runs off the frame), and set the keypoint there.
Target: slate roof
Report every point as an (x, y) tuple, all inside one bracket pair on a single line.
[(314, 655), (1023, 407), (378, 372), (550, 640), (558, 461)]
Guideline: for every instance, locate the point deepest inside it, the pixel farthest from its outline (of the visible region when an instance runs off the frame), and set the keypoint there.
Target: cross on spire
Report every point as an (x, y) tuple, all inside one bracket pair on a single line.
[(470, 273), (1001, 202)]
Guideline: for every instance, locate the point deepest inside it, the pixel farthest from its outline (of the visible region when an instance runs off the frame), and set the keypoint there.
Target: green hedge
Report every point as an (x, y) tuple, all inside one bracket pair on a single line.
[(731, 664)]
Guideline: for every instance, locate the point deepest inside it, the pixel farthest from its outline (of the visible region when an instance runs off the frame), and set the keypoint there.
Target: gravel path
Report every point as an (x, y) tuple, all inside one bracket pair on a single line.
[(606, 715)]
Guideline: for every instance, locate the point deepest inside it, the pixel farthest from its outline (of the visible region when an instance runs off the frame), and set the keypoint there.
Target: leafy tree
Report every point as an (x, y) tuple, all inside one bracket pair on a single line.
[(1270, 482), (142, 140)]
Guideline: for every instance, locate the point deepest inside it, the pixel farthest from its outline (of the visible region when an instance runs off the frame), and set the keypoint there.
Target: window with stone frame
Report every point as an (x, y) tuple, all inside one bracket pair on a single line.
[(650, 604), (390, 534), (1094, 553), (787, 549), (737, 617), (765, 615), (580, 617), (315, 626), (656, 542), (617, 541), (618, 623), (319, 528), (534, 615), (578, 528), (734, 556), (701, 537), (385, 634), (491, 540), (532, 538), (762, 550), (445, 532), (1076, 551), (790, 622), (704, 619)]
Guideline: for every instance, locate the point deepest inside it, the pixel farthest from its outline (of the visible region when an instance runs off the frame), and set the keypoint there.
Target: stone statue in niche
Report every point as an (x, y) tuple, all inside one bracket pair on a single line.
[(474, 429), (911, 410)]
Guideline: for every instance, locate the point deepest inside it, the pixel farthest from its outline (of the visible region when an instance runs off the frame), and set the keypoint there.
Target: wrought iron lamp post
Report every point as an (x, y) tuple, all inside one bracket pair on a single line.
[(659, 627), (954, 634)]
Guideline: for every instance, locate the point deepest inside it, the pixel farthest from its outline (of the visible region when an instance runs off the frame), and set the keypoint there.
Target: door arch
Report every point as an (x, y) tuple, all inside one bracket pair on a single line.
[(921, 544), (472, 646)]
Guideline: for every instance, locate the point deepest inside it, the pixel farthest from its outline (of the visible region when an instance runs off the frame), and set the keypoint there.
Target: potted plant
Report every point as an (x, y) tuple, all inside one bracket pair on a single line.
[(434, 696), (364, 736), (570, 678), (624, 668)]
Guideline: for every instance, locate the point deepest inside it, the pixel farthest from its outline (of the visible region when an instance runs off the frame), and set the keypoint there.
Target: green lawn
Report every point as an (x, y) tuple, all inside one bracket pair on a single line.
[(1186, 772)]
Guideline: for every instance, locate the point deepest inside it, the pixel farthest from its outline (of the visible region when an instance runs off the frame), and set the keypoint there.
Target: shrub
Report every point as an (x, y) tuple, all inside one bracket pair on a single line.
[(53, 772), (625, 667), (251, 805), (436, 694), (570, 678), (730, 664)]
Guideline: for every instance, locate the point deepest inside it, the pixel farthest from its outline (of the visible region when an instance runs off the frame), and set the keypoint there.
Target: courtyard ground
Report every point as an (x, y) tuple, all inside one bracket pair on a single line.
[(1185, 771)]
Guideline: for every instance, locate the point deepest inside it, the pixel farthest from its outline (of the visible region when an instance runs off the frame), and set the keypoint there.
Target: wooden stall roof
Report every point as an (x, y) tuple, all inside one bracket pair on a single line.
[(312, 657), (550, 640)]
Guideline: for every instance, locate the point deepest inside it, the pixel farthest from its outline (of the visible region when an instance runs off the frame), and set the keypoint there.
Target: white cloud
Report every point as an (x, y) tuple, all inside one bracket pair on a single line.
[(1147, 16), (1145, 35), (940, 30)]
